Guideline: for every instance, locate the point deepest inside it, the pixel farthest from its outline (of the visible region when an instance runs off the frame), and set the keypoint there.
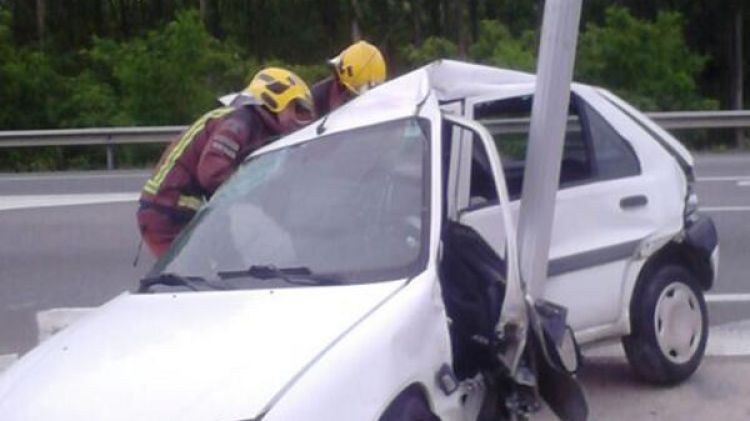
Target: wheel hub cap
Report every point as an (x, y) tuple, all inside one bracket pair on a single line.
[(678, 322)]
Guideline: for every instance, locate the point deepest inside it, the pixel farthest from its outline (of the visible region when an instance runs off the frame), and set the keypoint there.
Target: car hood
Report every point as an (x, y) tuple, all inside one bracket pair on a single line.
[(218, 356)]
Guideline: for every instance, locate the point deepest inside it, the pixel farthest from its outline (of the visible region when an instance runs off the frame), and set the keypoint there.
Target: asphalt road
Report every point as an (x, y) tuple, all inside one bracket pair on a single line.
[(70, 256), (67, 256), (724, 192)]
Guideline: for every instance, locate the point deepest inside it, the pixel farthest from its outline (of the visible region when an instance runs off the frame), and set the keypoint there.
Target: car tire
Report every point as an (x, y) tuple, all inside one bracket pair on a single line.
[(669, 326)]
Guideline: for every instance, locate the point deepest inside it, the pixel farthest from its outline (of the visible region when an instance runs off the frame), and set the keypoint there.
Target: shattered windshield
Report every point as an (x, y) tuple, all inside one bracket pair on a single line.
[(352, 206)]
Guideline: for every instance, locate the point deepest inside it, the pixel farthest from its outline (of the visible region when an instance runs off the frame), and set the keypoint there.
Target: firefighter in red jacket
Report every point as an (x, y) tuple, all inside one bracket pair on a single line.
[(196, 164), (357, 69)]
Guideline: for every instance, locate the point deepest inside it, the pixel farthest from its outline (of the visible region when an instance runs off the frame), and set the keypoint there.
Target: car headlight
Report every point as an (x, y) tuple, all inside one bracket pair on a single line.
[(691, 204)]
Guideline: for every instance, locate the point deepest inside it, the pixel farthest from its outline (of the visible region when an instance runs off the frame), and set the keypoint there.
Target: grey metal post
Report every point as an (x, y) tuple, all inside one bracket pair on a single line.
[(110, 153), (549, 116), (737, 73)]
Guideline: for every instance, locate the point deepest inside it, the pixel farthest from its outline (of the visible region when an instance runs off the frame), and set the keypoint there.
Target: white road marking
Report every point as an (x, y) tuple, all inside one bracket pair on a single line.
[(6, 360), (63, 176), (725, 178), (727, 298), (732, 339), (743, 183), (51, 200), (725, 208), (726, 340)]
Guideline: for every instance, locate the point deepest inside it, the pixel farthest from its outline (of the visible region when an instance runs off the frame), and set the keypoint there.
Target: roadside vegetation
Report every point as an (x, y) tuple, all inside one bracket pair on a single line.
[(91, 63)]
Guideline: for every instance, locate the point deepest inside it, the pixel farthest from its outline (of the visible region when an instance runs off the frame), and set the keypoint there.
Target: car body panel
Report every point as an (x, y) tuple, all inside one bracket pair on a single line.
[(592, 227), (187, 356), (404, 342)]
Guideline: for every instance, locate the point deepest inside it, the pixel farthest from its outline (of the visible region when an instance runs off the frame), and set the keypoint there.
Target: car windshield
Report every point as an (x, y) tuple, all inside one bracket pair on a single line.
[(352, 206)]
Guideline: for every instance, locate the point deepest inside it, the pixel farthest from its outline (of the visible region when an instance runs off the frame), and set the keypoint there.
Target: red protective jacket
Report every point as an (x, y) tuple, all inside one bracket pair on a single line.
[(196, 164), (326, 100)]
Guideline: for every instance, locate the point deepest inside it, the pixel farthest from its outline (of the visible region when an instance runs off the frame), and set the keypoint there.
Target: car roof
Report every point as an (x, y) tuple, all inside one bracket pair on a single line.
[(454, 80), (440, 81)]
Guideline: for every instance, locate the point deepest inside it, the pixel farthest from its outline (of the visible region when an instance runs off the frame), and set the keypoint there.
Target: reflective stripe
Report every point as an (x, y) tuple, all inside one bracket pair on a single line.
[(153, 183), (226, 151), (226, 141), (190, 202)]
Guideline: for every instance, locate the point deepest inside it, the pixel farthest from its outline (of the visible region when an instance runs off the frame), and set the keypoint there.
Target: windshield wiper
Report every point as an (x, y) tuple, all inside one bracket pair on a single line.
[(195, 283), (292, 275)]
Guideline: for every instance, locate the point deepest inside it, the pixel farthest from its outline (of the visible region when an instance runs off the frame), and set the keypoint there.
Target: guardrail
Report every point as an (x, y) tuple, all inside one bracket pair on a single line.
[(112, 136), (107, 136)]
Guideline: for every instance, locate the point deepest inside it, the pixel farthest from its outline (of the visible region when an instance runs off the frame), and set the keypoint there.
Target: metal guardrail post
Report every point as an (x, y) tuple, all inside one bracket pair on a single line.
[(110, 153), (739, 138)]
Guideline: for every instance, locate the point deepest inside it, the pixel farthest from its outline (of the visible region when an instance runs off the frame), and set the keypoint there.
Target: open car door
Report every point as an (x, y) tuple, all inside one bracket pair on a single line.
[(480, 253)]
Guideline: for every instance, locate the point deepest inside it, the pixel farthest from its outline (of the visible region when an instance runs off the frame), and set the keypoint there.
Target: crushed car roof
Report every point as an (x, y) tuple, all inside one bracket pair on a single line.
[(441, 81), (452, 80), (447, 80)]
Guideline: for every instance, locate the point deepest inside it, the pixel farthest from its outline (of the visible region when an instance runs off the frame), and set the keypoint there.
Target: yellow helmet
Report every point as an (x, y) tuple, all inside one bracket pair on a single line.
[(360, 67), (276, 88)]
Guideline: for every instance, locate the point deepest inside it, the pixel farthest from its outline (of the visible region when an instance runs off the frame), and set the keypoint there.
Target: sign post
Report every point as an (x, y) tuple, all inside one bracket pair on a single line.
[(549, 116)]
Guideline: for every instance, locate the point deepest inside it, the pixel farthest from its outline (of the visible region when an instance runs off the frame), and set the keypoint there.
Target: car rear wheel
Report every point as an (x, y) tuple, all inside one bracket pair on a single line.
[(669, 324)]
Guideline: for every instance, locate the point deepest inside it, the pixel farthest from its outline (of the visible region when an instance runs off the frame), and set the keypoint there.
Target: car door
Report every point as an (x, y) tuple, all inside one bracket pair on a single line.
[(476, 197), (601, 212)]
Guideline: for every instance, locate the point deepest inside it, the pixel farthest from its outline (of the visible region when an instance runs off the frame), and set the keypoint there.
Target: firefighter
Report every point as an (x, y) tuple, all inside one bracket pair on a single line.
[(191, 169), (357, 69)]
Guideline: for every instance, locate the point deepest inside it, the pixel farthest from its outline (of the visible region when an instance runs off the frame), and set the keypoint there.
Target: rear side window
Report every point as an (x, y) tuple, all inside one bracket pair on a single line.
[(508, 122), (613, 156)]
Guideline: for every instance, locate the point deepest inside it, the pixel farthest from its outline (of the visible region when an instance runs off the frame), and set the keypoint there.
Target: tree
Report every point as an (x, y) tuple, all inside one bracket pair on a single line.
[(736, 86), (432, 49), (169, 76), (498, 47), (649, 63)]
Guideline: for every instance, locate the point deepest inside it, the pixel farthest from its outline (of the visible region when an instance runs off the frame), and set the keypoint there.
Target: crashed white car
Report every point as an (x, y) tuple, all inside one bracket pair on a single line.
[(365, 268), (630, 254)]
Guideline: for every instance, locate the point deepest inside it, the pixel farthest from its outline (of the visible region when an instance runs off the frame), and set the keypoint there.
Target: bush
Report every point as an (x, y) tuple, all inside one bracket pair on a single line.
[(647, 63), (432, 49), (496, 46), (169, 76), (29, 85)]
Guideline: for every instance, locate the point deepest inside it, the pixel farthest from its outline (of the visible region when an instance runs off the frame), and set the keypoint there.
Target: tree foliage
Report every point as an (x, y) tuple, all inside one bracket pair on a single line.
[(647, 62), (82, 63), (166, 76), (497, 46), (432, 48)]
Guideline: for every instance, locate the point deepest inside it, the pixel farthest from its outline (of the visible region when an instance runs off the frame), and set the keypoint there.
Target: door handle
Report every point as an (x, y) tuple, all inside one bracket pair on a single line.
[(631, 202)]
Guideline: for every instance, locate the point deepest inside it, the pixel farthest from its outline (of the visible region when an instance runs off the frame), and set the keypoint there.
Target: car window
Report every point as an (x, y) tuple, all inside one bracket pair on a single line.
[(508, 121), (482, 190), (614, 157), (353, 204)]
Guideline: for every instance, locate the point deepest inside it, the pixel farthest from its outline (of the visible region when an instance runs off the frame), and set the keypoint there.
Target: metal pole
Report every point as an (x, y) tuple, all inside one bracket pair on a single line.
[(110, 154), (738, 73), (549, 116)]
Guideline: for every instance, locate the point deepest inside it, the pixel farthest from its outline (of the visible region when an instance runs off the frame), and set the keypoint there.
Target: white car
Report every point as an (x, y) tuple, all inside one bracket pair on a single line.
[(630, 255), (366, 268)]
